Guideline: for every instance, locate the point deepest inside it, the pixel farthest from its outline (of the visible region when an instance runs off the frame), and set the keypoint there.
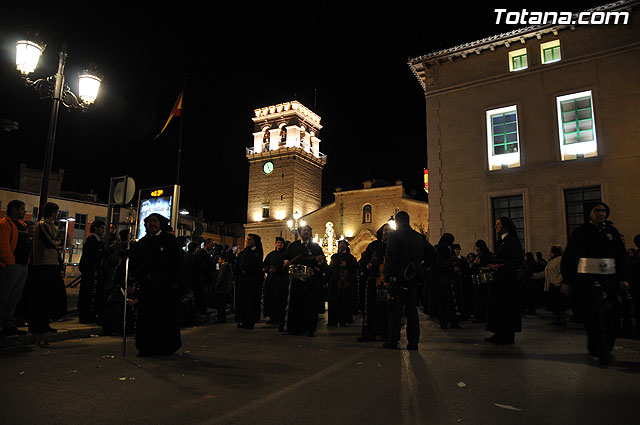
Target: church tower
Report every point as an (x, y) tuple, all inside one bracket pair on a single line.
[(285, 170)]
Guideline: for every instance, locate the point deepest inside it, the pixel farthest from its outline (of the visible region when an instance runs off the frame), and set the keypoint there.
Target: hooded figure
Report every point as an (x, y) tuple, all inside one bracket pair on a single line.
[(443, 286), (594, 266), (156, 262), (504, 298), (250, 277), (275, 284), (342, 281), (375, 316), (93, 266)]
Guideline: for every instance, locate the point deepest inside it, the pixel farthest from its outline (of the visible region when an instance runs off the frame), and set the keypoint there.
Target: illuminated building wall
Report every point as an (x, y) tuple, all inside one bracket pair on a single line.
[(285, 180), (357, 214), (536, 141), (285, 169)]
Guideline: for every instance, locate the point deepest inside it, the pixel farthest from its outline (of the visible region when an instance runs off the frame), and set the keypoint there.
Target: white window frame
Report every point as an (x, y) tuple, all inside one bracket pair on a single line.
[(510, 160), (579, 149), (516, 53), (549, 45)]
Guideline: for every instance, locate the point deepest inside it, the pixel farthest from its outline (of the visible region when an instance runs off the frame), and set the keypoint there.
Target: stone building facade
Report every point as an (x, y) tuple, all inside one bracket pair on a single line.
[(285, 169), (356, 215), (285, 187), (532, 124)]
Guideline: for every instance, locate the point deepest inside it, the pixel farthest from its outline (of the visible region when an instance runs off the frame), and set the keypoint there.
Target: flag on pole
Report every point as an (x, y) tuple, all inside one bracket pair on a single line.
[(175, 112)]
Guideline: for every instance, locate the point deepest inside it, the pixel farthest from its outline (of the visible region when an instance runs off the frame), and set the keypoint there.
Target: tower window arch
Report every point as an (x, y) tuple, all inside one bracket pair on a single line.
[(283, 135), (302, 136), (266, 138), (366, 214)]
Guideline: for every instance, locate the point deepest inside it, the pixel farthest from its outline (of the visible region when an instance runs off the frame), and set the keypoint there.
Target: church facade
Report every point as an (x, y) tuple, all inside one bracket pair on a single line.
[(285, 186)]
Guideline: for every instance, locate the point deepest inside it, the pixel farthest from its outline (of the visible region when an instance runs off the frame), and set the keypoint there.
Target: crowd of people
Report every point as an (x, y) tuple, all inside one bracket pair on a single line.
[(166, 284), (31, 285)]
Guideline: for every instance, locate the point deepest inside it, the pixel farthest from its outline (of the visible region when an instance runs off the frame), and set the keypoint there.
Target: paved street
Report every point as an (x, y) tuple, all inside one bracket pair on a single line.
[(224, 375)]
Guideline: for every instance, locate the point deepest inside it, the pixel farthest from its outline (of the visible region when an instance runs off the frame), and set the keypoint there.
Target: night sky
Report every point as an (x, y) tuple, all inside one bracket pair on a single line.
[(347, 63)]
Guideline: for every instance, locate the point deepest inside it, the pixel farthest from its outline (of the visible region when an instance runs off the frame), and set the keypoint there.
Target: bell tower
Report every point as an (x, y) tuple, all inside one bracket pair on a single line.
[(285, 169)]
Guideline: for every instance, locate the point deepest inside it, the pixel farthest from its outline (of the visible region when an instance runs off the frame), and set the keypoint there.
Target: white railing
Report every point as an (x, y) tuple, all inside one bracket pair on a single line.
[(319, 155)]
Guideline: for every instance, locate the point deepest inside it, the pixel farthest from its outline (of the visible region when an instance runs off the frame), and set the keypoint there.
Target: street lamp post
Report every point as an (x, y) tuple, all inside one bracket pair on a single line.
[(392, 222), (27, 57), (295, 223)]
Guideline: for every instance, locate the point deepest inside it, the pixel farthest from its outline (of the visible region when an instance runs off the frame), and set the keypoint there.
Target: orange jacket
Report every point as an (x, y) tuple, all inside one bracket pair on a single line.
[(8, 241)]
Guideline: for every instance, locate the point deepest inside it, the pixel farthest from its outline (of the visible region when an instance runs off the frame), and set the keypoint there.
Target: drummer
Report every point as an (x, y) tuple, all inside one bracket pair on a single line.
[(307, 261), (484, 257)]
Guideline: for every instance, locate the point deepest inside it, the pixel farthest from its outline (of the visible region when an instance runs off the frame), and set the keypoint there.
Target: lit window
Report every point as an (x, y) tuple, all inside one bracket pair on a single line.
[(550, 52), (576, 126), (366, 214), (574, 203), (265, 211), (503, 138), (512, 207), (81, 222), (518, 60), (265, 139)]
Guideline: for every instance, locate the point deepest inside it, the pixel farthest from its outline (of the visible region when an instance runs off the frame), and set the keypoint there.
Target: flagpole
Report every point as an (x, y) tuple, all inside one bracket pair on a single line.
[(180, 136), (179, 148)]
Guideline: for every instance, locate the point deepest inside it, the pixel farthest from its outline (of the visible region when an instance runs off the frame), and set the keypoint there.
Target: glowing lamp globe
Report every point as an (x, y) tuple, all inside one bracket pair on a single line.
[(27, 56), (88, 87)]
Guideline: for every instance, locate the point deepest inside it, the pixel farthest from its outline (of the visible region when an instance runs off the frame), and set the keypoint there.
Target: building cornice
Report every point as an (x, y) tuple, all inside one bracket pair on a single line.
[(419, 64), (562, 64), (286, 109), (287, 152)]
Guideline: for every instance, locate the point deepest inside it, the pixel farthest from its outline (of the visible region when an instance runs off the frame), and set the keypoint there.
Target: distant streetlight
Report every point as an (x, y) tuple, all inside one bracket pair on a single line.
[(392, 222), (66, 232), (28, 54), (295, 223)]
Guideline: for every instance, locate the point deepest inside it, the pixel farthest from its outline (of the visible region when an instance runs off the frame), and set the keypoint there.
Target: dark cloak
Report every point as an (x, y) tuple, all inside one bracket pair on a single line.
[(157, 262)]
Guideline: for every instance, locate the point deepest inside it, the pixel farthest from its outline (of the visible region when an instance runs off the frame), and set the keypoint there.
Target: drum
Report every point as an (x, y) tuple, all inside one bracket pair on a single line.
[(300, 272), (482, 278)]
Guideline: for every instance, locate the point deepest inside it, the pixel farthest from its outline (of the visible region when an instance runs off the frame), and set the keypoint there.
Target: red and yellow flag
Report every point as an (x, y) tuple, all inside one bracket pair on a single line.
[(175, 112)]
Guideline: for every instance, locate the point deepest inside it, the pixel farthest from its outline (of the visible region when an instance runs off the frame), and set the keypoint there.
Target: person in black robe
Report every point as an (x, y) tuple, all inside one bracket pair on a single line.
[(342, 280), (250, 278), (484, 257), (504, 302), (201, 276), (406, 259), (594, 266), (224, 283), (275, 284), (304, 289), (375, 316), (464, 288), (156, 262), (362, 281), (442, 279), (93, 267), (113, 313)]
